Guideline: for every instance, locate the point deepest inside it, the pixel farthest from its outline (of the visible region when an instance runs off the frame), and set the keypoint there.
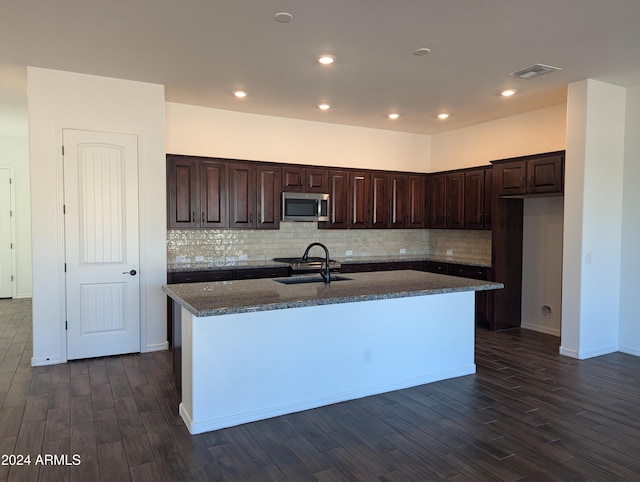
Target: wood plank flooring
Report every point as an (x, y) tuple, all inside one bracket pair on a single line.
[(528, 414)]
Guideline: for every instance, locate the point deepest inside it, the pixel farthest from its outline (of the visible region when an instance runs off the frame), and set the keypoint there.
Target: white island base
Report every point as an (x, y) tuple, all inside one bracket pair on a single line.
[(243, 367)]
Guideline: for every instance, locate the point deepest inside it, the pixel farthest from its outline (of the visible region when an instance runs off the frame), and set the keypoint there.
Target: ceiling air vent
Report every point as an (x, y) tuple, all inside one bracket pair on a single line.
[(534, 71)]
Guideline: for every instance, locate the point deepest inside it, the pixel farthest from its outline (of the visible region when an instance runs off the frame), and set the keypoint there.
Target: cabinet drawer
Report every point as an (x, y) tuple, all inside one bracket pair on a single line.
[(359, 267), (466, 271), (436, 267), (256, 273), (199, 276), (398, 265)]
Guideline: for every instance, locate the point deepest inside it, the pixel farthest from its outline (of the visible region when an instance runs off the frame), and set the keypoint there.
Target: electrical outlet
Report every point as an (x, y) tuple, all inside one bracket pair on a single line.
[(368, 355), (199, 259), (349, 252), (403, 251), (449, 252), (242, 257)]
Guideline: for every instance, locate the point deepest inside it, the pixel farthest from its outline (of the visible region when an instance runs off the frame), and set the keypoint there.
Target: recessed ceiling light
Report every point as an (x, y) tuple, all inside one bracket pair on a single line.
[(324, 106), (283, 17), (443, 116), (421, 51), (508, 92), (240, 94), (326, 59), (394, 116)]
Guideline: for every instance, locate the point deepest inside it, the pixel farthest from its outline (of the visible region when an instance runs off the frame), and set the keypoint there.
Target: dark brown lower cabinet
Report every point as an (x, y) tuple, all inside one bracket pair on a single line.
[(485, 300)]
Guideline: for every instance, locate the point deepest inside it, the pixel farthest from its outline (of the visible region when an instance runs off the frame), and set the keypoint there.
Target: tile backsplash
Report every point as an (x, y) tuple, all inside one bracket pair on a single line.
[(221, 246)]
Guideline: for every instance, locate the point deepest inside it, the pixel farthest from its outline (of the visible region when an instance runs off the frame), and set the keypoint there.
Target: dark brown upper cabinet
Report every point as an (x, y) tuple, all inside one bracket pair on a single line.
[(477, 198), (398, 196), (359, 199), (196, 192), (416, 202), (305, 179), (446, 200), (268, 200), (254, 196), (541, 174), (380, 200), (338, 200), (407, 204)]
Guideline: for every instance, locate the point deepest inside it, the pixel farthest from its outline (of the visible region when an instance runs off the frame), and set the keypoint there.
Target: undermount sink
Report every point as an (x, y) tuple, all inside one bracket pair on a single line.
[(295, 280)]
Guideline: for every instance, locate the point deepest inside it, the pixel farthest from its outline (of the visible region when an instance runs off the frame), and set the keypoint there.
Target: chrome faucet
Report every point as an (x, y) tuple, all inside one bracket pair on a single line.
[(326, 273)]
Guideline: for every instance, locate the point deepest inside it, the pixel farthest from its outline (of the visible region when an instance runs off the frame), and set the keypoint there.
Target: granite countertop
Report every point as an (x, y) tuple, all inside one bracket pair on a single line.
[(231, 264), (243, 296)]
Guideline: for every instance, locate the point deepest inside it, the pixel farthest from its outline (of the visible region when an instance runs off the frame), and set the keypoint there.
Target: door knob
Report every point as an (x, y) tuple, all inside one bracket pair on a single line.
[(133, 272)]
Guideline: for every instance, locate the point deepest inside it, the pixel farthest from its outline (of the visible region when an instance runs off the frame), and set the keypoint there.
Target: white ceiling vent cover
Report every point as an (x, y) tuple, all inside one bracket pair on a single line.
[(537, 70)]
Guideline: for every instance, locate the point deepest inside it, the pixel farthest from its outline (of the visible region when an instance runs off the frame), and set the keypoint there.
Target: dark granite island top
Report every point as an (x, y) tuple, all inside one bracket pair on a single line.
[(245, 356), (244, 296)]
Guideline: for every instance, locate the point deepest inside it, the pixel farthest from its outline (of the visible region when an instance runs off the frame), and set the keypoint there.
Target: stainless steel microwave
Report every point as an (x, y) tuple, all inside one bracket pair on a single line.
[(303, 206)]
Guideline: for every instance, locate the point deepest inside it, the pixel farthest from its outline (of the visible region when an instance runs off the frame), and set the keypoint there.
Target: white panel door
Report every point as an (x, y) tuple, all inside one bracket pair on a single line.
[(6, 290), (101, 242)]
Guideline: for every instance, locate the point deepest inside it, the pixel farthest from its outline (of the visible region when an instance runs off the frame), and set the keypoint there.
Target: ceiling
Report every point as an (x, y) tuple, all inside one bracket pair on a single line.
[(202, 50)]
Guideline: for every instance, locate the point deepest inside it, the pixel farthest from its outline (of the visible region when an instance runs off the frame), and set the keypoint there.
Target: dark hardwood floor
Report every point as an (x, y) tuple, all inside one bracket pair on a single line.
[(528, 414)]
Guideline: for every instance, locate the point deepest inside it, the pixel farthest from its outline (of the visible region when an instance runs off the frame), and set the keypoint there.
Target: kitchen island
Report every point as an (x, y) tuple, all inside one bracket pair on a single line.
[(254, 349)]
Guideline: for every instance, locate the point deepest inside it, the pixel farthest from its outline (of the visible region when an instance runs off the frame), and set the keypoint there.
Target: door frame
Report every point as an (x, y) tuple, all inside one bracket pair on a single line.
[(12, 224), (61, 238)]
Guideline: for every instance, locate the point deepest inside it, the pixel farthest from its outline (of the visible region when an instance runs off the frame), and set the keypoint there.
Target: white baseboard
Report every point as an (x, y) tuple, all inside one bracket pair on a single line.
[(568, 352), (40, 362), (540, 329), (630, 350), (328, 399), (156, 347), (585, 354)]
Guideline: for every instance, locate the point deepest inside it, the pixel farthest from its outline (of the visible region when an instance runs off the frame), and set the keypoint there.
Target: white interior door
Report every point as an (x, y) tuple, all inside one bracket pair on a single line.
[(6, 274), (101, 243)]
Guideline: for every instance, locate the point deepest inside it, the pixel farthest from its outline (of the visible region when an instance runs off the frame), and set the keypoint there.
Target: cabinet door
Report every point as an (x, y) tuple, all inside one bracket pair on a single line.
[(268, 197), (455, 201), (293, 179), (182, 193), (512, 178), (317, 180), (241, 195), (416, 202), (379, 200), (474, 199), (545, 175), (437, 201), (300, 179), (360, 200), (339, 199), (399, 195), (213, 194)]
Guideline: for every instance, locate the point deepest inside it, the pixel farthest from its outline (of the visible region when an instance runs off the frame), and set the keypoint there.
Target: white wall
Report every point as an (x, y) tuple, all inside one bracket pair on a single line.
[(629, 318), (210, 132), (62, 99), (542, 264), (533, 132), (14, 154), (593, 219)]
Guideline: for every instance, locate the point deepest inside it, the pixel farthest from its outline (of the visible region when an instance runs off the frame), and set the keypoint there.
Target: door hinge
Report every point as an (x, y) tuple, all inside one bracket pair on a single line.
[(64, 209), (63, 150), (65, 267), (66, 326), (11, 277), (11, 245)]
